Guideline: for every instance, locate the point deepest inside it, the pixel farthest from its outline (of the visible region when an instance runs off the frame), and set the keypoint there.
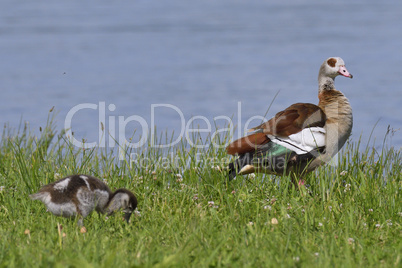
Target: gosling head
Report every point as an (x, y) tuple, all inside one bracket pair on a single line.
[(123, 200)]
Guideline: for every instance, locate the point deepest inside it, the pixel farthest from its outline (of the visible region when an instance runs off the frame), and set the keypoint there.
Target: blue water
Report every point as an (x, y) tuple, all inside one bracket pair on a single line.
[(202, 57)]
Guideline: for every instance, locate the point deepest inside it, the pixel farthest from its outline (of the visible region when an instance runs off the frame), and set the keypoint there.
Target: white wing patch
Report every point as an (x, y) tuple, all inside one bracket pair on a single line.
[(302, 142), (62, 186), (85, 178)]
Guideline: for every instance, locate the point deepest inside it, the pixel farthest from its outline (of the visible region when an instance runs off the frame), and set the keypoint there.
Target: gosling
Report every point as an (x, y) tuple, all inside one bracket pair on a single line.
[(79, 195)]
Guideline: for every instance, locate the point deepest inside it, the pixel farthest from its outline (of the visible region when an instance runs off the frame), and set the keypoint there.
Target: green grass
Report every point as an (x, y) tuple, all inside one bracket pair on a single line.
[(351, 218)]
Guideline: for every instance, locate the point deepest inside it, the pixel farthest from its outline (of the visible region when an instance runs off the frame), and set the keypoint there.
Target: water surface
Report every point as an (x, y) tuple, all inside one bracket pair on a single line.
[(202, 57)]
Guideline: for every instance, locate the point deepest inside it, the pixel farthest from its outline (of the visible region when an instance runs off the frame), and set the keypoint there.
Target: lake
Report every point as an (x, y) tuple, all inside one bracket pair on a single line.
[(173, 64)]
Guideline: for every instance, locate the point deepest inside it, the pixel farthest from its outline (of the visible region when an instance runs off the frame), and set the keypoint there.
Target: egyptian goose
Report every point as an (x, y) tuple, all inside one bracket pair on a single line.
[(79, 195), (303, 136)]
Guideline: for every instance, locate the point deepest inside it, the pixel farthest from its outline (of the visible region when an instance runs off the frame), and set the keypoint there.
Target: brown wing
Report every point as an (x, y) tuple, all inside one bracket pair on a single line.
[(287, 122), (293, 119), (247, 144)]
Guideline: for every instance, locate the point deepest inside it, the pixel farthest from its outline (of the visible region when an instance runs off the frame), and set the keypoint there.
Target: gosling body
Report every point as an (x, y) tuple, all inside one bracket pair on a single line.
[(79, 195)]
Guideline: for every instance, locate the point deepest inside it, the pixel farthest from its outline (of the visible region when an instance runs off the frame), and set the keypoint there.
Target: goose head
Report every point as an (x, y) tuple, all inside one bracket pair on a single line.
[(331, 68), (123, 200), (334, 66)]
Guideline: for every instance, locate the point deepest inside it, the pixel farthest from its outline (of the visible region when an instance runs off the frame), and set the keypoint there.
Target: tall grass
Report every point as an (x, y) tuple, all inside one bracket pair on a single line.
[(190, 215)]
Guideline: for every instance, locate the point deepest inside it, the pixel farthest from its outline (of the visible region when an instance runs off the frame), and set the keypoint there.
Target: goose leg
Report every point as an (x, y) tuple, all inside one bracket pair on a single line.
[(297, 182)]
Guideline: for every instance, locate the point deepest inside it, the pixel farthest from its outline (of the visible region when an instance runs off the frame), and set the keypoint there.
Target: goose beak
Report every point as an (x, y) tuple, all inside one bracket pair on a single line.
[(344, 72), (127, 216)]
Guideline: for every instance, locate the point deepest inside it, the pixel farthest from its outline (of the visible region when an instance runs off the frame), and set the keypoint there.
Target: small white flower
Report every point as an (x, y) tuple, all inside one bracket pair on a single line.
[(240, 201), (211, 203), (2, 188), (297, 258), (340, 206), (287, 215), (347, 187), (351, 241), (319, 224), (378, 225), (316, 254), (343, 173), (303, 210), (400, 214), (137, 213), (179, 176), (371, 210), (215, 206), (330, 208), (251, 176), (195, 197), (268, 207), (250, 223)]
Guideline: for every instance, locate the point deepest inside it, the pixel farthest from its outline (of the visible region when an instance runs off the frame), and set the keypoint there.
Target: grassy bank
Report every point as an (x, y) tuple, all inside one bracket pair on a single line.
[(189, 215)]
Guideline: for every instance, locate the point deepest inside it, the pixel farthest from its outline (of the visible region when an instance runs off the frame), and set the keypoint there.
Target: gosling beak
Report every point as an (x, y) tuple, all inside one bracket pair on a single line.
[(127, 216)]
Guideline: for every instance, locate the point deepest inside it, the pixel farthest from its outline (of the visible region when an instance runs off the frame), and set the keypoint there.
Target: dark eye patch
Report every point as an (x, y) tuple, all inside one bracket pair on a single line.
[(331, 62)]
